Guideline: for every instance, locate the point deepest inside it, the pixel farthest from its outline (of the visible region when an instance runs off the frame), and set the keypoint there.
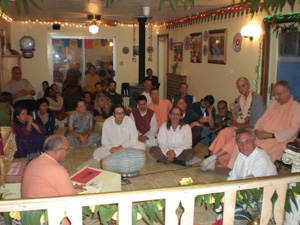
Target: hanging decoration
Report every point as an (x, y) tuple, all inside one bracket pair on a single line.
[(237, 42), (134, 43), (125, 50), (150, 48), (171, 44), (205, 50), (196, 47), (212, 16), (186, 42), (205, 35), (259, 65)]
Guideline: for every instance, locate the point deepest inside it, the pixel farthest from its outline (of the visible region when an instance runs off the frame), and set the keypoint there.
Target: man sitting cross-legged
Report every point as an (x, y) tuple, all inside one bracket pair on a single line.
[(118, 132), (145, 121), (251, 161), (174, 141)]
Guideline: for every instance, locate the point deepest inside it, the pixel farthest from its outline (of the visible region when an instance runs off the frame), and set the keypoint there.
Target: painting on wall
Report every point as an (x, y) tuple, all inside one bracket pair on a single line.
[(217, 40), (196, 47), (178, 46)]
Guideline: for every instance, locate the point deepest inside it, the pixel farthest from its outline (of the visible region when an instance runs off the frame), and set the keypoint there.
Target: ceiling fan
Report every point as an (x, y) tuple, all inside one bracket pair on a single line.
[(94, 20)]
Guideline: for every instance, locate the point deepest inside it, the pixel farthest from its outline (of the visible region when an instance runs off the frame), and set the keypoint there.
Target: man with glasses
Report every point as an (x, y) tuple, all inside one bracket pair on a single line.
[(251, 160), (44, 176), (119, 131)]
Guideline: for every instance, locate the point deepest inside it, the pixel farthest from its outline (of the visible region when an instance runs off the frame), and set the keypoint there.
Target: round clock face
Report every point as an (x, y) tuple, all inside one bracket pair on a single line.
[(27, 43)]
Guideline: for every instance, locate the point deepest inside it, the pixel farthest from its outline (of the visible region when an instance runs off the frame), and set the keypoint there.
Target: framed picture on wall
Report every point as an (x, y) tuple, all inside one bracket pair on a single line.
[(178, 46), (196, 47), (217, 40)]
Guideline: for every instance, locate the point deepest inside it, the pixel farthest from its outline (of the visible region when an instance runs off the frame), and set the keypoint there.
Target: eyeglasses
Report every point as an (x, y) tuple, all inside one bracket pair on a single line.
[(242, 143), (66, 149)]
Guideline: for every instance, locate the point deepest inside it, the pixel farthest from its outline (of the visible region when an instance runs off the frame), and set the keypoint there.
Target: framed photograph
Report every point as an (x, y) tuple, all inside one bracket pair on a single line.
[(135, 50), (196, 47), (217, 40), (178, 46)]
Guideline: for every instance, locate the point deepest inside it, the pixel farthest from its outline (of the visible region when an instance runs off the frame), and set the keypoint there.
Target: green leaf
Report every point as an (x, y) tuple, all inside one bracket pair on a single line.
[(106, 212), (20, 6), (4, 5), (151, 211), (157, 212), (282, 4), (34, 217), (218, 197), (162, 2), (134, 215), (198, 199), (292, 3), (27, 4), (25, 217), (274, 198), (86, 210), (173, 4), (7, 218), (142, 212), (36, 2)]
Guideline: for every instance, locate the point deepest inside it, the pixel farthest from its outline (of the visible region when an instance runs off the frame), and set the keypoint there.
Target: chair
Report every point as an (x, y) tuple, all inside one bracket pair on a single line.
[(125, 90)]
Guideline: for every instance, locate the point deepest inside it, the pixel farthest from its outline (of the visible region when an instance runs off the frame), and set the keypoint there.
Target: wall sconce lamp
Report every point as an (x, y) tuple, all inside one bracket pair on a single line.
[(250, 32), (93, 28)]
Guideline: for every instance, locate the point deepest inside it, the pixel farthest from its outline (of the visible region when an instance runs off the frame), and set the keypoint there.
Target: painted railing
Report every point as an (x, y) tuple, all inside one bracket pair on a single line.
[(185, 195)]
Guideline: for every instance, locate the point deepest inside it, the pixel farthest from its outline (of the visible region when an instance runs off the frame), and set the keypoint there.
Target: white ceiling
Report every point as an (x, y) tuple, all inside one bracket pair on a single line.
[(123, 11)]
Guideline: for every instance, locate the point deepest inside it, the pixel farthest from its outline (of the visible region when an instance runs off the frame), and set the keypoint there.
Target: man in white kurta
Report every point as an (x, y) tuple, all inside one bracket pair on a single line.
[(251, 160), (118, 132)]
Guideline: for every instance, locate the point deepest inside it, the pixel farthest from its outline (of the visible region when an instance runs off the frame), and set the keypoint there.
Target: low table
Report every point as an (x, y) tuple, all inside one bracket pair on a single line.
[(97, 180)]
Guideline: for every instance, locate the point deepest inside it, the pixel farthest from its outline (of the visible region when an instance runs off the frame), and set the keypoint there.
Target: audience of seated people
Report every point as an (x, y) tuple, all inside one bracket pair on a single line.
[(174, 140), (145, 121), (115, 98), (245, 111), (146, 93), (183, 92), (30, 136), (170, 132), (80, 132), (44, 116), (119, 131), (161, 107)]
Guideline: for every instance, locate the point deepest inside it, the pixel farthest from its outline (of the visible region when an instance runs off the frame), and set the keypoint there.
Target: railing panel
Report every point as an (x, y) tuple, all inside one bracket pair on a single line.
[(266, 211), (229, 207), (173, 197), (188, 202), (279, 206), (125, 213), (172, 203)]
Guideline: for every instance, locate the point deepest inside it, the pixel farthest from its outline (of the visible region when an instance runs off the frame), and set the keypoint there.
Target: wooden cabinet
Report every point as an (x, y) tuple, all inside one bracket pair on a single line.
[(7, 63)]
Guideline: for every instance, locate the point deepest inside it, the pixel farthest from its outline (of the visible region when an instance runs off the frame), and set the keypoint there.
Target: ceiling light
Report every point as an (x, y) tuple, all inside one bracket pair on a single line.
[(146, 10), (93, 28), (111, 44)]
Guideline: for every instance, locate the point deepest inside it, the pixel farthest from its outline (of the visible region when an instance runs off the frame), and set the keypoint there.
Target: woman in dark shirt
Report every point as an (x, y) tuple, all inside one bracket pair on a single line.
[(44, 116), (30, 136)]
